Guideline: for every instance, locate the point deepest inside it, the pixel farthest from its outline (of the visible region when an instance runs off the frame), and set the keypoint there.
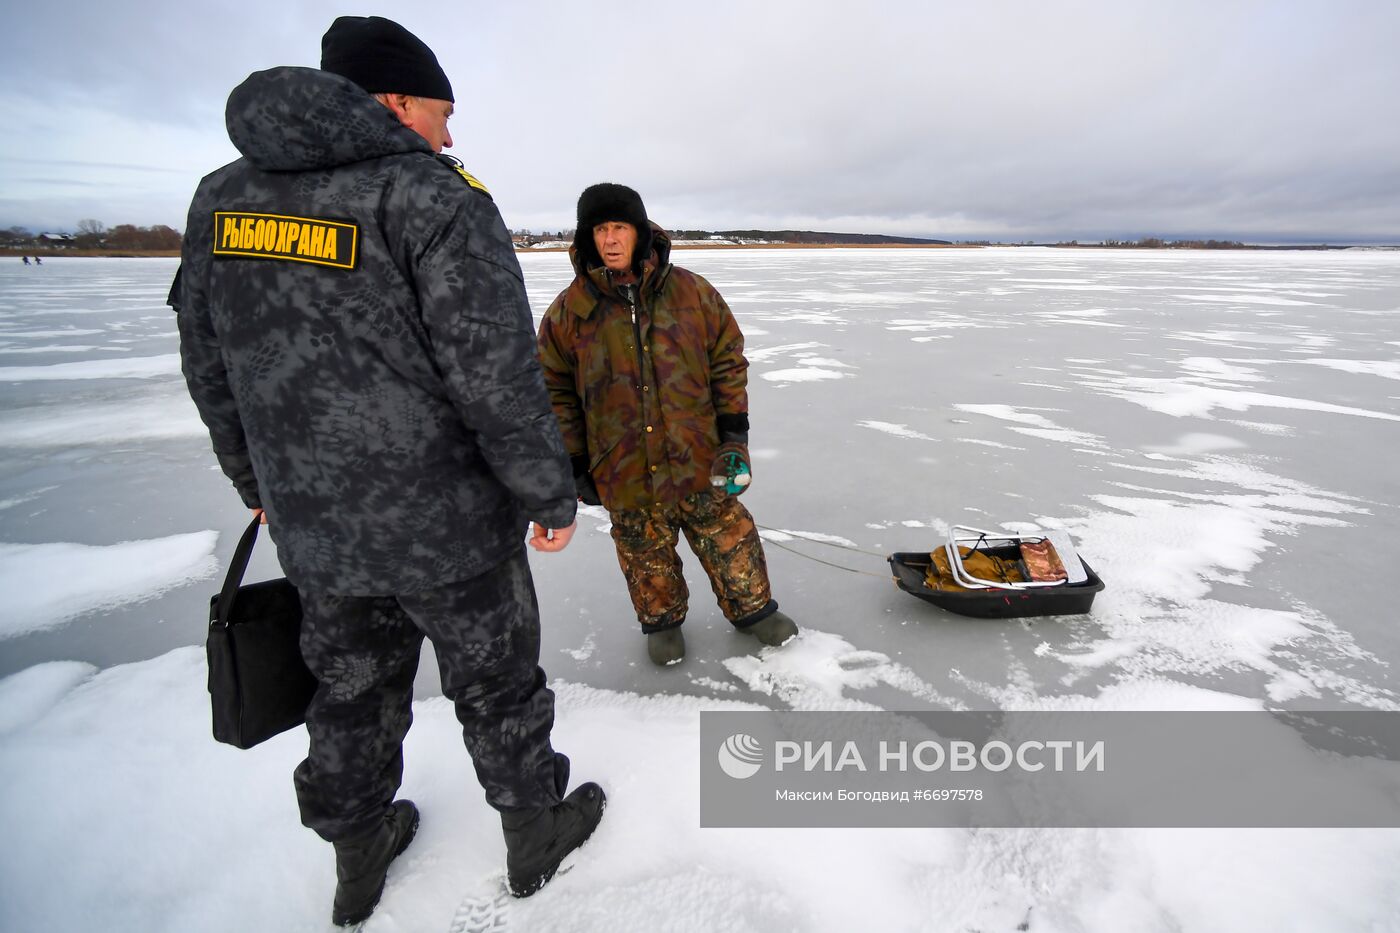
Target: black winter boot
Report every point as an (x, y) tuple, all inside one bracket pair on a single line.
[(538, 840), (361, 864), (773, 629), (666, 647)]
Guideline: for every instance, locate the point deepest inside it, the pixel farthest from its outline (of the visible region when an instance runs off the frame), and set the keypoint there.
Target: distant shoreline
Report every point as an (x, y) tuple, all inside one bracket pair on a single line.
[(676, 246), (52, 253), (49, 253)]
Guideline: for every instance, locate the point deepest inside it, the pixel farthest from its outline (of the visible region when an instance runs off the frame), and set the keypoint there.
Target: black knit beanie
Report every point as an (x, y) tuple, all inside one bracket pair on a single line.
[(608, 201), (383, 58)]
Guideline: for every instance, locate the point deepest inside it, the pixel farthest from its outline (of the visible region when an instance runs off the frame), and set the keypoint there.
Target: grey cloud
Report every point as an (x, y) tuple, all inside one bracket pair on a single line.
[(1072, 119)]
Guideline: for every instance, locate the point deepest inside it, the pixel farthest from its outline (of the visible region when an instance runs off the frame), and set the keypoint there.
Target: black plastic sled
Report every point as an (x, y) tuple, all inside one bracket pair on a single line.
[(989, 599)]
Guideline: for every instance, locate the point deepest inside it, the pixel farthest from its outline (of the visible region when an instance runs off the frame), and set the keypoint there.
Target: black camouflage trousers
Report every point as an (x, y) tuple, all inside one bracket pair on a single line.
[(364, 651), (723, 536)]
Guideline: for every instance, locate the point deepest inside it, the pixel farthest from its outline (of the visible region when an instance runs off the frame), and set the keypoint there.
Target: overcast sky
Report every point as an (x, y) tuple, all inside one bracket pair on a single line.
[(1263, 121)]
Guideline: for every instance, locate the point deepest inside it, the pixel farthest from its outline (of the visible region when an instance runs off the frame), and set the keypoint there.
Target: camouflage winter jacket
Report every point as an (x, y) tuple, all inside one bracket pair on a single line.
[(641, 399), (355, 333)]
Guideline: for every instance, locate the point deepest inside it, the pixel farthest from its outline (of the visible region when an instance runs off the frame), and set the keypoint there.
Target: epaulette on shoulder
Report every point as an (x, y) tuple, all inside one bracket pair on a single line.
[(456, 165)]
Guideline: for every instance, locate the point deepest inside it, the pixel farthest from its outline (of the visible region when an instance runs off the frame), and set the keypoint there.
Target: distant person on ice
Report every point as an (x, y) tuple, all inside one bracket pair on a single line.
[(355, 334), (645, 367), (26, 260)]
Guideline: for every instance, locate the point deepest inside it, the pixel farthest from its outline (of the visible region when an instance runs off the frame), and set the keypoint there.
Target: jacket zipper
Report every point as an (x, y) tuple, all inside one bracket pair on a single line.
[(633, 294), (634, 299)]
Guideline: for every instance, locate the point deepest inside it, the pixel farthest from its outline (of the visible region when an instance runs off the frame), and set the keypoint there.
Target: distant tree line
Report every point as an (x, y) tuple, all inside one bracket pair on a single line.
[(809, 236), (94, 234), (525, 232), (16, 237), (1152, 242)]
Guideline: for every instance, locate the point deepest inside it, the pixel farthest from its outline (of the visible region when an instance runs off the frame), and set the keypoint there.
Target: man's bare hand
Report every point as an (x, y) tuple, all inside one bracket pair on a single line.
[(552, 539), (259, 513)]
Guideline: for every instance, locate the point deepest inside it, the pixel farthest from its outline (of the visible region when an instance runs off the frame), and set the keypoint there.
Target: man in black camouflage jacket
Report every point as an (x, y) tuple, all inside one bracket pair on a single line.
[(355, 334)]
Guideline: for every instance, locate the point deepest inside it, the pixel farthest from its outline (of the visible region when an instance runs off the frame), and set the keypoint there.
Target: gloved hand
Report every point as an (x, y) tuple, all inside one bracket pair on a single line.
[(587, 490), (731, 471), (583, 481)]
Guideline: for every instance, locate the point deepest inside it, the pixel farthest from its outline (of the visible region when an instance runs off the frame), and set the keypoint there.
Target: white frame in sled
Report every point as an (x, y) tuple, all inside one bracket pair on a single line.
[(1059, 540)]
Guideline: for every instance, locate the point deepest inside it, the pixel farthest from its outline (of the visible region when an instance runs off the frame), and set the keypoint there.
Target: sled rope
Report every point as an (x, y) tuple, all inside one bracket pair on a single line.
[(844, 547)]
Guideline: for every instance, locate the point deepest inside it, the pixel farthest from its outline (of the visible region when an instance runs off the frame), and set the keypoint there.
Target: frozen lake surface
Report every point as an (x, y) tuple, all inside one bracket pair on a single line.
[(1216, 430)]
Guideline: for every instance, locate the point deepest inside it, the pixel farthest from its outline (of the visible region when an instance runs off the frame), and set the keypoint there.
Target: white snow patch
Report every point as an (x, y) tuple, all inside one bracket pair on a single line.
[(102, 423), (981, 443), (1182, 400), (1207, 368), (1389, 369), (787, 534), (917, 326), (49, 584), (1008, 413), (128, 758), (584, 651), (821, 361), (1251, 300), (1039, 425), (1234, 337), (824, 318), (802, 375), (816, 670), (1198, 443), (57, 348), (29, 496), (1263, 427), (766, 353), (143, 367), (51, 334), (1165, 551), (29, 694), (709, 683), (1061, 435), (898, 430)]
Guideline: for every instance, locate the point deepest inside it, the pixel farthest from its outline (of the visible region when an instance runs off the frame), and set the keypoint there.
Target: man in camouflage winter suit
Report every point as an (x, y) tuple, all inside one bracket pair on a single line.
[(355, 333), (645, 367)]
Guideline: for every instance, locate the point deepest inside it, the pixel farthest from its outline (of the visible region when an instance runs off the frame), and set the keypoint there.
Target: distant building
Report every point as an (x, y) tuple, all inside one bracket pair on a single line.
[(60, 240)]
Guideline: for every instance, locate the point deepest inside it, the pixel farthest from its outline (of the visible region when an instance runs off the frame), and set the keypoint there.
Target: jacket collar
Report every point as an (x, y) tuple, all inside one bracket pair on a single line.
[(593, 284)]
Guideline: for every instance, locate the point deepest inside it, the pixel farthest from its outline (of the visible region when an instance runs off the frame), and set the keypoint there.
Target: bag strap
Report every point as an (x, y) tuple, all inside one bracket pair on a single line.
[(236, 568)]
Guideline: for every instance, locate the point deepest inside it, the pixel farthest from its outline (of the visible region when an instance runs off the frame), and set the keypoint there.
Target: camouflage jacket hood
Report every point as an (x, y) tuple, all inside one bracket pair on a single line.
[(355, 333), (297, 119), (639, 391)]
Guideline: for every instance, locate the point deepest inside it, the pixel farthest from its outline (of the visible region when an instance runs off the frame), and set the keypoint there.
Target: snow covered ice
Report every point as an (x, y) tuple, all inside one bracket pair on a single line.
[(1217, 430)]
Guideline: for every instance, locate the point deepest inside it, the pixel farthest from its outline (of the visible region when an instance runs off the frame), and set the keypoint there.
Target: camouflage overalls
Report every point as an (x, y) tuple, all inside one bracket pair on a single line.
[(639, 380), (722, 534), (355, 333)]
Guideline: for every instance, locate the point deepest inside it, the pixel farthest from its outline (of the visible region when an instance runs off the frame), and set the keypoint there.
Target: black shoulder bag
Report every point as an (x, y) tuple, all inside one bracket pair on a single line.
[(259, 685)]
